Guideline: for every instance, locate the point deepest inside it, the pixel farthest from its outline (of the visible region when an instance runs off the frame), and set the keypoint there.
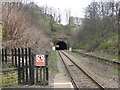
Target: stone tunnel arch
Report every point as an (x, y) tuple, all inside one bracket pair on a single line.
[(61, 45)]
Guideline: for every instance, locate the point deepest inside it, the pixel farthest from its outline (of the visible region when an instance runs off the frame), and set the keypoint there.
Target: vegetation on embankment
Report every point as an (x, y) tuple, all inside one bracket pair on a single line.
[(108, 73), (52, 62), (28, 25), (8, 78), (25, 25), (102, 54), (99, 29)]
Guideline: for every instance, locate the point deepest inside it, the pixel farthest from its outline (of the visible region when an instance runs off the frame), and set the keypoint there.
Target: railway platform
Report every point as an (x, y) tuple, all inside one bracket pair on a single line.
[(62, 81)]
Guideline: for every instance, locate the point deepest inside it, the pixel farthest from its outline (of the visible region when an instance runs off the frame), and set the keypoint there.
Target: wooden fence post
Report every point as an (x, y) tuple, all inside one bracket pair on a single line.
[(36, 74), (12, 57), (6, 56), (23, 78), (2, 56), (29, 50), (19, 68), (15, 57), (47, 76), (32, 70), (26, 55)]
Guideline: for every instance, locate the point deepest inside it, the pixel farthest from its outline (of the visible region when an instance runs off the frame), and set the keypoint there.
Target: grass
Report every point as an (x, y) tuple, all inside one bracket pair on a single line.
[(101, 54), (105, 55), (52, 61), (76, 55), (112, 73), (81, 58), (0, 79)]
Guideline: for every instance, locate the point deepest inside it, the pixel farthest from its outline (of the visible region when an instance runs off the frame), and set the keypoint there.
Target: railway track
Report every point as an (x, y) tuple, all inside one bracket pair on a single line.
[(79, 77), (115, 64)]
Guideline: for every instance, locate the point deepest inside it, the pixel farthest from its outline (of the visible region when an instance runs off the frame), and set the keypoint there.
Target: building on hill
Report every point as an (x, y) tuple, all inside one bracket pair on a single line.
[(76, 21)]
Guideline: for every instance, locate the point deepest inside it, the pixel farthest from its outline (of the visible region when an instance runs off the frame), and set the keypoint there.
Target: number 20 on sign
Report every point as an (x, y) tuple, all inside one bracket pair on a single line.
[(40, 60)]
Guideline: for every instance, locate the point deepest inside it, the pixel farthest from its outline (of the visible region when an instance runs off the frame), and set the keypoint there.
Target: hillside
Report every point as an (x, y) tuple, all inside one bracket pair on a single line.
[(99, 29), (25, 25)]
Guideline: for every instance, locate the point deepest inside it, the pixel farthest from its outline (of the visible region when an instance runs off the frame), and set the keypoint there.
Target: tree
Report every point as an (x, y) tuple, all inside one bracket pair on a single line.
[(68, 15), (99, 23), (24, 26)]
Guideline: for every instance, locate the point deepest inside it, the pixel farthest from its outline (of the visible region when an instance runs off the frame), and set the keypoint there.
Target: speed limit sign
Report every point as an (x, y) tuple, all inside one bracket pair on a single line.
[(40, 60)]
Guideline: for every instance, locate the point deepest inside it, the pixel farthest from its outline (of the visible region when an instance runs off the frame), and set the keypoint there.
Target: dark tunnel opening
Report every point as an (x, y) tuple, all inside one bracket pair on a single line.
[(61, 46)]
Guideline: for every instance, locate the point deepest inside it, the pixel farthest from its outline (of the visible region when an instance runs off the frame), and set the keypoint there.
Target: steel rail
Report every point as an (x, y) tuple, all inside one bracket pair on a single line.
[(94, 81), (76, 87)]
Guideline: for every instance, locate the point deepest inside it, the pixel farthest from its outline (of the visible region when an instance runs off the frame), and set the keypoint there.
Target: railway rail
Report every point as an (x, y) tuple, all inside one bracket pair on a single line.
[(79, 77), (115, 64)]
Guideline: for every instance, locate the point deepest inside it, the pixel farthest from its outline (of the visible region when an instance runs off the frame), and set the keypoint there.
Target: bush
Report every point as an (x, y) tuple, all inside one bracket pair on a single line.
[(52, 60), (105, 45), (56, 27)]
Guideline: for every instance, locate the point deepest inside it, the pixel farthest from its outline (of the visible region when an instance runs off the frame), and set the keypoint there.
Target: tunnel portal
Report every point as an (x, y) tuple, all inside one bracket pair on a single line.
[(61, 45)]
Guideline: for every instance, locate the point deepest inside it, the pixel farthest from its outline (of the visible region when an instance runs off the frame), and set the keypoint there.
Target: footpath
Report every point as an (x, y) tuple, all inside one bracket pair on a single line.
[(62, 79)]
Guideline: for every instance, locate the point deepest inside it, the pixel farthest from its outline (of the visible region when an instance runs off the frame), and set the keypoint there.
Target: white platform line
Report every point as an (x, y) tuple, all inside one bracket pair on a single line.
[(64, 84)]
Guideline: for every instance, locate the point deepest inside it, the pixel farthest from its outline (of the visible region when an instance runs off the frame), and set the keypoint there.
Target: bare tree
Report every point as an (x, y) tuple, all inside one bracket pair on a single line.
[(23, 26), (68, 15), (101, 20)]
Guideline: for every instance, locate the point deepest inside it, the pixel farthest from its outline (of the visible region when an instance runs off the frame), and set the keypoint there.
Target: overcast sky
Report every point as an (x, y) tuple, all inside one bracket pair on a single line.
[(76, 6)]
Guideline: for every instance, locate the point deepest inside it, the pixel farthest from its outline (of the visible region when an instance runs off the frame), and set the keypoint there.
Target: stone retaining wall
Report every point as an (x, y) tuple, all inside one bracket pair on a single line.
[(8, 77)]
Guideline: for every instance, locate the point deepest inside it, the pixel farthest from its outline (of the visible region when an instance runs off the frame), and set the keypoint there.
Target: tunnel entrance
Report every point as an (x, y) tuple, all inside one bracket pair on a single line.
[(61, 46)]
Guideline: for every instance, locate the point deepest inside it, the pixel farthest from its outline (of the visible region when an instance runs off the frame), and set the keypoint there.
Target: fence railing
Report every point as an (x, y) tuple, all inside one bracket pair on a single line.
[(24, 60), (14, 55)]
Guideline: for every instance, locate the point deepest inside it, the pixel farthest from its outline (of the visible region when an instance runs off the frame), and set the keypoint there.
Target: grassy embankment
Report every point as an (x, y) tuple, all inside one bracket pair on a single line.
[(106, 47), (101, 54), (108, 73), (52, 62)]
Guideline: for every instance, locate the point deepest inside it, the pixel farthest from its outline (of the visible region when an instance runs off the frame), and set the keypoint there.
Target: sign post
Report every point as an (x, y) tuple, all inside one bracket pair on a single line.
[(40, 60)]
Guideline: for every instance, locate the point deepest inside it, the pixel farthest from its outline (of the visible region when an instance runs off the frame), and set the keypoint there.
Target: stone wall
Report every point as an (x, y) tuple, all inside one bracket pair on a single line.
[(8, 77)]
